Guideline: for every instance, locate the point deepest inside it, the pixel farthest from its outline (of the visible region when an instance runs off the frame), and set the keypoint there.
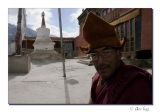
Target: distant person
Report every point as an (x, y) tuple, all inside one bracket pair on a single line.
[(114, 82)]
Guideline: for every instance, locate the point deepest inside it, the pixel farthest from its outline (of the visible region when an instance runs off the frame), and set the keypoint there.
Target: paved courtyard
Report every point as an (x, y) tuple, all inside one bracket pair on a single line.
[(45, 84)]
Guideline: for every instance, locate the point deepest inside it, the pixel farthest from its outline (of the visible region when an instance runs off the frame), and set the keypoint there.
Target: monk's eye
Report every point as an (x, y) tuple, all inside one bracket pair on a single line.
[(107, 51)]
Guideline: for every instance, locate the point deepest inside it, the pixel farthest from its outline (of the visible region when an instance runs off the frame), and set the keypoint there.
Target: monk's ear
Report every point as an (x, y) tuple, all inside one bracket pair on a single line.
[(119, 53)]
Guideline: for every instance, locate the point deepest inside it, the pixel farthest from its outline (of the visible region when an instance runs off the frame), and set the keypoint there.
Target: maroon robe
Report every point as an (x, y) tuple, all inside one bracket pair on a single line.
[(128, 85)]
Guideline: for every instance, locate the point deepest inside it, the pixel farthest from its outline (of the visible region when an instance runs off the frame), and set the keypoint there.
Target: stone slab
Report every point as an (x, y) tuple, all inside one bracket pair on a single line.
[(19, 64)]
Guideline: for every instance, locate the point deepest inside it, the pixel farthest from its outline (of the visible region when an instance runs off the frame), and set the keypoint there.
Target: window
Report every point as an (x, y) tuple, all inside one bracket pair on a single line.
[(132, 44), (118, 30), (113, 9), (132, 34), (122, 30), (132, 27), (138, 32), (109, 10), (126, 35), (103, 12), (127, 46)]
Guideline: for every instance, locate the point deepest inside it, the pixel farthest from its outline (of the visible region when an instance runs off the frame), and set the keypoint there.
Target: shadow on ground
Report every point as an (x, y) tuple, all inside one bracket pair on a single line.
[(13, 75), (67, 94), (39, 63), (72, 81)]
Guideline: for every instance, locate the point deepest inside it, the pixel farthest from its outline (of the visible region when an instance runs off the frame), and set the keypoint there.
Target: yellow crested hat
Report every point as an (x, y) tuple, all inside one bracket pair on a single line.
[(98, 33)]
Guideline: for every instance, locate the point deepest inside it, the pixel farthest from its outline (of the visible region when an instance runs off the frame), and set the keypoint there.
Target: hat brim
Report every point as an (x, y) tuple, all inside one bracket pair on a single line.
[(87, 49)]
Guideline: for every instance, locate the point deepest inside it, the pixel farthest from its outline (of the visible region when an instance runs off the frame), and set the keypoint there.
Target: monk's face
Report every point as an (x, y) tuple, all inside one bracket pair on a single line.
[(106, 60)]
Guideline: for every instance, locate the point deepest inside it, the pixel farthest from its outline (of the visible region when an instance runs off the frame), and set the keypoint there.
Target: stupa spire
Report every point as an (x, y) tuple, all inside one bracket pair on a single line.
[(43, 20)]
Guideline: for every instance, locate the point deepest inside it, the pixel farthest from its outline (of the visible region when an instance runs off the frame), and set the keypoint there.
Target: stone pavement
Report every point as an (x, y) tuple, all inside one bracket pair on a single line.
[(45, 84)]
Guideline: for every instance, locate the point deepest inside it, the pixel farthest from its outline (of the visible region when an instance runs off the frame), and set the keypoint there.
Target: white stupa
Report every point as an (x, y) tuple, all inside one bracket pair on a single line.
[(43, 45)]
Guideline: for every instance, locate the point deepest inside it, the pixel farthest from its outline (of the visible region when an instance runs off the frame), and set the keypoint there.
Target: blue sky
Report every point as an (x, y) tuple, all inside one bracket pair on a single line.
[(69, 19)]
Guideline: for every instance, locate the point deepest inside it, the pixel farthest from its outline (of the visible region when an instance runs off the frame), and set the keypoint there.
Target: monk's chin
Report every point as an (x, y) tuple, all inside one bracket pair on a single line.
[(104, 76)]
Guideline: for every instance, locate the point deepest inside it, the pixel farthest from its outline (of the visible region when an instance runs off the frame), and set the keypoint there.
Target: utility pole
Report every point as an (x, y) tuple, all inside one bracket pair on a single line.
[(61, 36), (18, 36)]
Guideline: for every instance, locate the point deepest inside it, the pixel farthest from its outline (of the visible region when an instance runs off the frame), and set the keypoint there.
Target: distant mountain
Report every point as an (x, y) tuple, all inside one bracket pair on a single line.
[(30, 33), (12, 32)]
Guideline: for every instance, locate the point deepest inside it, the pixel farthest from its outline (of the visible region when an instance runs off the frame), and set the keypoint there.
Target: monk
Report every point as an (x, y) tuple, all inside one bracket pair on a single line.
[(114, 82)]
